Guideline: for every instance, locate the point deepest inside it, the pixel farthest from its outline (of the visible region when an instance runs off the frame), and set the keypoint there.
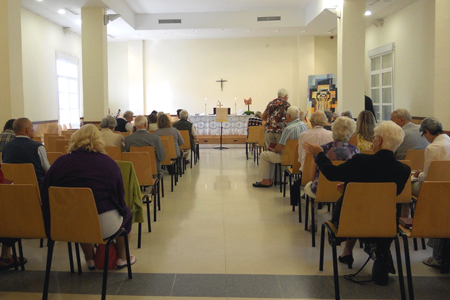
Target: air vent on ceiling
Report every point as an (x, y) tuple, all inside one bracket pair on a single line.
[(169, 21), (265, 19), (72, 11)]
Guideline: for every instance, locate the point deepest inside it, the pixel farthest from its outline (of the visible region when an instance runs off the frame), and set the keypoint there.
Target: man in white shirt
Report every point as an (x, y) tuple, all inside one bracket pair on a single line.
[(316, 135), (439, 149)]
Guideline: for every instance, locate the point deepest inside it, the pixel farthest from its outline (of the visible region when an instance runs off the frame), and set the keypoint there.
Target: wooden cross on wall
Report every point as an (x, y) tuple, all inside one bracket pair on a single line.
[(221, 83)]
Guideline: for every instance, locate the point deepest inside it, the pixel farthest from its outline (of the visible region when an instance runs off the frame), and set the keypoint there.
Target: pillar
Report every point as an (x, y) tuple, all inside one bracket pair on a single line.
[(350, 61)]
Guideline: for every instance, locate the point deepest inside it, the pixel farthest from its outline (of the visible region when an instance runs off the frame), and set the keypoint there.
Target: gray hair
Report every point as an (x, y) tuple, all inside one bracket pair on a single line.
[(282, 93), (433, 126), (347, 113), (127, 114), (184, 114), (140, 121), (293, 111), (343, 129), (258, 114), (391, 133), (329, 115), (108, 122), (318, 118), (402, 113)]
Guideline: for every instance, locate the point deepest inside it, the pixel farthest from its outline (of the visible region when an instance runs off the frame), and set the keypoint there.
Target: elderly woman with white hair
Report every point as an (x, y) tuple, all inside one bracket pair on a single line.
[(379, 167), (339, 149), (110, 138), (87, 165)]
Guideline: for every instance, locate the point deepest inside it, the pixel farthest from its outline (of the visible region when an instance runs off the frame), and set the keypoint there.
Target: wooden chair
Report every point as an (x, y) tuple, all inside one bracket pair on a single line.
[(37, 139), (439, 171), (252, 140), (326, 193), (431, 220), (186, 147), (417, 158), (20, 214), (171, 158), (292, 172), (60, 144), (362, 207), (46, 136), (74, 218), (125, 134), (52, 156), (261, 144), (159, 181), (287, 160), (306, 177), (114, 152), (143, 169), (21, 174), (50, 146)]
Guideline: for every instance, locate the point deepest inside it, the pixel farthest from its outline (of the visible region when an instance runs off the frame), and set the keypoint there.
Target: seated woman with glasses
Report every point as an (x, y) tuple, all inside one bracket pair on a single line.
[(87, 165)]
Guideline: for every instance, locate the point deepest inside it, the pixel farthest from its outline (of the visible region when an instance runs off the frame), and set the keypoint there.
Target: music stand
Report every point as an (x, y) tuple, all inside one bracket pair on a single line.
[(221, 116)]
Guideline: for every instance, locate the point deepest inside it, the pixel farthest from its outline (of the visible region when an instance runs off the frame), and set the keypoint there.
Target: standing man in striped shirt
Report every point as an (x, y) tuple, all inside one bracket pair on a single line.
[(273, 155)]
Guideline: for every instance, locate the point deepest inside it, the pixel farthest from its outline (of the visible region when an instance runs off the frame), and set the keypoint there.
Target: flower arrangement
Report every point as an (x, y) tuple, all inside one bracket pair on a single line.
[(248, 102)]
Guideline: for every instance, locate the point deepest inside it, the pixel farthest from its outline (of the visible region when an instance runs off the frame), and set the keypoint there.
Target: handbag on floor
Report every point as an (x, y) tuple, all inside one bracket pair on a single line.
[(100, 256)]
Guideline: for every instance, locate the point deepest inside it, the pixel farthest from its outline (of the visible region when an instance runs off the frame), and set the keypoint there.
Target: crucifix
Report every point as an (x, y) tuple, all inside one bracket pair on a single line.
[(221, 83)]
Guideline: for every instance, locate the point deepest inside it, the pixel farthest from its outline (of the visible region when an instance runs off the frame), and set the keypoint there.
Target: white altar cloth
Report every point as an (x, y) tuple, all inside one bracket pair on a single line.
[(207, 125)]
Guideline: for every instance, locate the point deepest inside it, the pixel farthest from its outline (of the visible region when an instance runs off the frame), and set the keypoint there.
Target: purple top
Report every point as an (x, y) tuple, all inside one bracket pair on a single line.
[(334, 151), (87, 169)]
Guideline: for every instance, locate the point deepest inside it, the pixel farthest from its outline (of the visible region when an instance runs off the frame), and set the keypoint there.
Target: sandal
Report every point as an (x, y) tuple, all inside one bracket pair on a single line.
[(8, 263), (91, 264), (430, 261), (122, 263), (259, 185)]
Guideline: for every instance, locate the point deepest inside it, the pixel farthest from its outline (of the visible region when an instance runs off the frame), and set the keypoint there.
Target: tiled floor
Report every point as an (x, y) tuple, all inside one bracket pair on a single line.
[(217, 237)]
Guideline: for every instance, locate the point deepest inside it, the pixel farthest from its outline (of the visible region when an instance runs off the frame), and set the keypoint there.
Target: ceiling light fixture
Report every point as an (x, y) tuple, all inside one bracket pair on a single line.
[(368, 13), (61, 11)]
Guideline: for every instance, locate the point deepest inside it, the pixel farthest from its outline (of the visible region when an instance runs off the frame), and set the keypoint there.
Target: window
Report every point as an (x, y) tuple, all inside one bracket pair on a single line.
[(68, 92), (381, 81)]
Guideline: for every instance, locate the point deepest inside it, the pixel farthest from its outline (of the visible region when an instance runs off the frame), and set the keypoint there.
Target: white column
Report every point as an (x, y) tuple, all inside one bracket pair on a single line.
[(351, 51), (95, 64), (442, 63), (11, 78)]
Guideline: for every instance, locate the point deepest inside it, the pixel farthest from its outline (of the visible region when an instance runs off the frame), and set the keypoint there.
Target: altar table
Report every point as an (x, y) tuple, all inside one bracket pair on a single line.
[(207, 125)]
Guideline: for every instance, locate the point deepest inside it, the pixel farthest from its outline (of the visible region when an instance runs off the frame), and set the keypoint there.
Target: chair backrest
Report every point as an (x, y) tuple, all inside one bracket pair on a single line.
[(150, 150), (405, 196), (20, 212), (253, 134), (114, 152), (167, 161), (142, 166), (186, 138), (368, 210), (439, 171), (432, 213), (170, 150), (307, 169), (297, 164), (20, 173), (74, 215), (52, 156), (417, 158), (37, 139), (51, 143), (288, 156), (60, 144), (326, 190), (262, 136), (125, 134), (46, 136), (367, 152)]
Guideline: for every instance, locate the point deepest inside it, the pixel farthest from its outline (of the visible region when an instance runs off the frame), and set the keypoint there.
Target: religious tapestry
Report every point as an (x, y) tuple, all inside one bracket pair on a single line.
[(322, 93)]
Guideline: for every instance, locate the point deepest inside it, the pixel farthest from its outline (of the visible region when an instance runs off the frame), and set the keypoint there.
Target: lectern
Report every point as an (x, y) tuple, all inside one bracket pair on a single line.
[(221, 116)]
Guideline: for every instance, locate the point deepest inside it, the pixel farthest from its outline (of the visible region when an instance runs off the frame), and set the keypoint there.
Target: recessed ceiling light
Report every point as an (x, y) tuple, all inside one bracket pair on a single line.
[(61, 11), (303, 30), (368, 13), (39, 0)]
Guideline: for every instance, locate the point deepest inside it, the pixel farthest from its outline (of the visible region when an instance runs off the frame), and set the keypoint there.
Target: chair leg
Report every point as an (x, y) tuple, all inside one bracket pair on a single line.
[(139, 235), (322, 245), (148, 213), (307, 199), (77, 254), (162, 186), (423, 244), (127, 252), (284, 183), (154, 209), (300, 210), (337, 295), (105, 269), (408, 268), (157, 192), (246, 150), (415, 244), (22, 265), (400, 269), (69, 249), (313, 224), (41, 243), (50, 246)]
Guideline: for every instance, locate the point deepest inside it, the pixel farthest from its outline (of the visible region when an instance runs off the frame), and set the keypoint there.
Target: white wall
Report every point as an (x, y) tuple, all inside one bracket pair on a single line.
[(41, 40), (412, 31)]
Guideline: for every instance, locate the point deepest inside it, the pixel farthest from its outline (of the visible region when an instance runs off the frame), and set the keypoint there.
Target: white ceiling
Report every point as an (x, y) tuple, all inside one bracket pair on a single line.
[(208, 18)]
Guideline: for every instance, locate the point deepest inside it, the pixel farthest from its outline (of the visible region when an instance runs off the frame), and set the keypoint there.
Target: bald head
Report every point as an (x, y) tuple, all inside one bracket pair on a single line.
[(23, 126)]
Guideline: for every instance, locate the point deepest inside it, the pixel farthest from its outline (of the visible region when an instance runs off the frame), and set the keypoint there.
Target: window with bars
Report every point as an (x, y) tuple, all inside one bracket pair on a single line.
[(68, 93), (381, 84)]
